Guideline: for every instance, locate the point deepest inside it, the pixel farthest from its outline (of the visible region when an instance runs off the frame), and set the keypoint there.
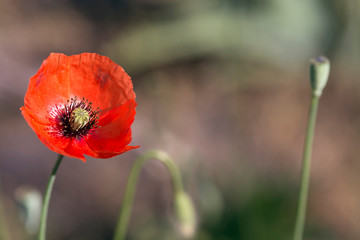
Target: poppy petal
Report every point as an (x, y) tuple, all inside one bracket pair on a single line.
[(48, 87), (100, 80), (52, 140), (114, 133)]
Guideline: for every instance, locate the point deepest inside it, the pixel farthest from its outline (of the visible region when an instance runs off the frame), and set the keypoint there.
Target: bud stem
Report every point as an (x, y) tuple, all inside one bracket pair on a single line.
[(131, 185), (305, 175)]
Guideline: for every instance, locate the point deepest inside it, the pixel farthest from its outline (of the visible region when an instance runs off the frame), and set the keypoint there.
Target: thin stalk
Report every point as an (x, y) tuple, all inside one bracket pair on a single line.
[(45, 207), (306, 166), (124, 216)]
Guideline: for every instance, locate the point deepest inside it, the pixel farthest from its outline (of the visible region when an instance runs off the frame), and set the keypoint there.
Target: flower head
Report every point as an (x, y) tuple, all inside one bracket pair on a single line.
[(81, 104), (319, 74)]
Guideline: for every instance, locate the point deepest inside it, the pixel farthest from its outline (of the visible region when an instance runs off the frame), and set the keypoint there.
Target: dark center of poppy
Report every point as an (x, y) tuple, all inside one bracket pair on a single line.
[(77, 118)]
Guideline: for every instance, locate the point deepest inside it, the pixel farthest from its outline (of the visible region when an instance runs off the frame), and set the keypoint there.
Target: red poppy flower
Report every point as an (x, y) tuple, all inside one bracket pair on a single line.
[(81, 104)]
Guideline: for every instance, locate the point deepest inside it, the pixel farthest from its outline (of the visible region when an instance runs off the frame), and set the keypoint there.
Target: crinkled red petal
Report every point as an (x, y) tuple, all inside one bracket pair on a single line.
[(114, 133), (57, 143), (88, 75), (100, 80), (48, 87)]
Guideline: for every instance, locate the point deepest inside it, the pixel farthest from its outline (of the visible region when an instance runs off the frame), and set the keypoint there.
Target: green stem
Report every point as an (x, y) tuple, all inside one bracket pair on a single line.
[(45, 207), (131, 185), (305, 176)]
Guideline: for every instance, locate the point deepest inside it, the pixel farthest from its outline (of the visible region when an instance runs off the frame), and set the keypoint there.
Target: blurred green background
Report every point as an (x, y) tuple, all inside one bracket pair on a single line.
[(222, 86)]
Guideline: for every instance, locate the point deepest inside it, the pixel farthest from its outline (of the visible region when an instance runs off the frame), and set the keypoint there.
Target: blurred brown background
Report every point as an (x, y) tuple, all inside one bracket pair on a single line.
[(222, 86)]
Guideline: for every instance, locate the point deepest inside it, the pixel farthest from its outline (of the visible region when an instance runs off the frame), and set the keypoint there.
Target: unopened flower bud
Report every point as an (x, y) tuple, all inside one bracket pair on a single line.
[(319, 74), (185, 213), (29, 201)]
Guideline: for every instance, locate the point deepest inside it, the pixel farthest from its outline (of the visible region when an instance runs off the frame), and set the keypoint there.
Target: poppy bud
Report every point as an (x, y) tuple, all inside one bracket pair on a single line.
[(185, 213), (319, 74), (29, 201)]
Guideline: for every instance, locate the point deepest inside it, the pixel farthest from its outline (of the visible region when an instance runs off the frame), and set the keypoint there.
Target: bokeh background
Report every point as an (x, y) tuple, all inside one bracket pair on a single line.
[(222, 86)]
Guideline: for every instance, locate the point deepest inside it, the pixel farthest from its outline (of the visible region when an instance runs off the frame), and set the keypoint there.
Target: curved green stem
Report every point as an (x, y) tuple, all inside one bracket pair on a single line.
[(45, 207), (131, 185), (305, 176)]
